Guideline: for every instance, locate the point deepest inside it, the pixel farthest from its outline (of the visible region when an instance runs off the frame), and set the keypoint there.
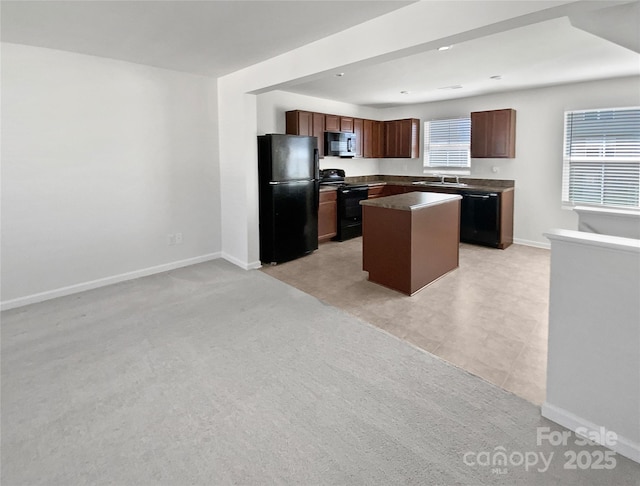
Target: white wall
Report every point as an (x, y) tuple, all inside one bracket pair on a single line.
[(606, 221), (101, 159), (537, 168), (593, 370), (273, 105)]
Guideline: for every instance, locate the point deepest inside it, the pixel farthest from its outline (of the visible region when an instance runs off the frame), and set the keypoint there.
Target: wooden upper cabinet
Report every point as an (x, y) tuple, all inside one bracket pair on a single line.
[(390, 139), (402, 138), (358, 129), (367, 138), (332, 123), (318, 131), (378, 139), (299, 123), (346, 124), (493, 134), (372, 138), (408, 138)]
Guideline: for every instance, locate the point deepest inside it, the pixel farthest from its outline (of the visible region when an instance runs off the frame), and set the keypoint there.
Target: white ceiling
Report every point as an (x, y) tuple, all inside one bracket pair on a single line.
[(214, 38), (542, 54), (206, 37)]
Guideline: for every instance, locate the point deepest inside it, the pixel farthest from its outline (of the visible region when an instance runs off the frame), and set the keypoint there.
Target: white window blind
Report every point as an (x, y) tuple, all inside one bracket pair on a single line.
[(446, 143), (602, 157)]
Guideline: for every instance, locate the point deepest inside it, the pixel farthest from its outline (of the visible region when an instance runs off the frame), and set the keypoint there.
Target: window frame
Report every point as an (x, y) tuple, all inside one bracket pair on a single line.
[(614, 174), (451, 169)]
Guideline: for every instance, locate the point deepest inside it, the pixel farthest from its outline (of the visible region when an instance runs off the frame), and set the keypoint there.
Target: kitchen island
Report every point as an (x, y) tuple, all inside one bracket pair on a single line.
[(409, 240)]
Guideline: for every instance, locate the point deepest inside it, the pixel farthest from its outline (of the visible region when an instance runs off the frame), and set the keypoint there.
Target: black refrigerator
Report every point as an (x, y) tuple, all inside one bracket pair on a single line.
[(289, 196)]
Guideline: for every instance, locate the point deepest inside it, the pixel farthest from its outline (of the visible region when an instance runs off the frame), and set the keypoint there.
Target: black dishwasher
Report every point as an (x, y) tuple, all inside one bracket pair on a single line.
[(479, 218)]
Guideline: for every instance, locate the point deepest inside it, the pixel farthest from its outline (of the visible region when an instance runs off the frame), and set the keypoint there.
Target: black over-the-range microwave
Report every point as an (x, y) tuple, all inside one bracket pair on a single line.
[(340, 144)]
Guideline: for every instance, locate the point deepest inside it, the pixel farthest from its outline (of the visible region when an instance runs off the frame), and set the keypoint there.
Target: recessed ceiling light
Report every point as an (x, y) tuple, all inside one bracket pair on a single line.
[(404, 92), (455, 86), (444, 48), (496, 77), (339, 75)]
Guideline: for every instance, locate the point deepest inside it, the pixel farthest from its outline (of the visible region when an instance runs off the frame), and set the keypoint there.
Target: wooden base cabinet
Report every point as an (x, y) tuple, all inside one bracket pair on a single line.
[(327, 216), (486, 217), (406, 250)]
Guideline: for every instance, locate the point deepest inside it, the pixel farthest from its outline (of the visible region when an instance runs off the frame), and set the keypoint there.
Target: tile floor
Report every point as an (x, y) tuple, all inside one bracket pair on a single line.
[(488, 317)]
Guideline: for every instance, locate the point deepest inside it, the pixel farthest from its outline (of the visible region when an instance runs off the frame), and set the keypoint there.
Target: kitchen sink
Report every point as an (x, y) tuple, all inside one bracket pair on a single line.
[(439, 184)]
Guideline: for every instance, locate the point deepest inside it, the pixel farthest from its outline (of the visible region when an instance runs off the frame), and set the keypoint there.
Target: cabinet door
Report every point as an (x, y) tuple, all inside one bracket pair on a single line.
[(358, 128), (493, 134), (376, 191), (367, 138), (332, 123), (392, 190), (502, 140), (479, 134), (373, 139), (378, 139), (327, 216), (346, 124), (390, 139), (404, 138), (299, 123), (415, 138), (318, 131)]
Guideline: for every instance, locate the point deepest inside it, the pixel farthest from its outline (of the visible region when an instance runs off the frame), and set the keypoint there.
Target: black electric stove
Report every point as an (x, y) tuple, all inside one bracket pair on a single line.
[(349, 197)]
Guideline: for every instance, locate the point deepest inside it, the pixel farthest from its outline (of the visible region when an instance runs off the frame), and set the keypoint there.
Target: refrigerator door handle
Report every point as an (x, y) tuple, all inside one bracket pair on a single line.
[(316, 163)]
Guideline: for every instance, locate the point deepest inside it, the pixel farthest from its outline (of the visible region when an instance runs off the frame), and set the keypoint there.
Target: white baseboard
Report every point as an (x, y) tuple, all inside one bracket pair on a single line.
[(239, 263), (535, 244), (102, 282), (623, 446)]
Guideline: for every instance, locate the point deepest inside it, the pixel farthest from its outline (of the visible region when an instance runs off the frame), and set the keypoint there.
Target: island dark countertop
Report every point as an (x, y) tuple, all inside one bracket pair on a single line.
[(410, 201)]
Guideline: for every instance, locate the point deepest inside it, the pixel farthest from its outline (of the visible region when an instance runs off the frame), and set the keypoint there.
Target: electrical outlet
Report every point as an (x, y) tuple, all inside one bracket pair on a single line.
[(171, 239), (178, 238)]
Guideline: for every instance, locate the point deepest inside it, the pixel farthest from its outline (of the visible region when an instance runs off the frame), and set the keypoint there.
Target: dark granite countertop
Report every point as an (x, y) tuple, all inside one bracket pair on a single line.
[(473, 184), (410, 201)]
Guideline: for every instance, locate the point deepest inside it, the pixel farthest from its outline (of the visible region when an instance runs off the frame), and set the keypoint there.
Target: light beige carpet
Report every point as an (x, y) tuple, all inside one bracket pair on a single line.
[(213, 375)]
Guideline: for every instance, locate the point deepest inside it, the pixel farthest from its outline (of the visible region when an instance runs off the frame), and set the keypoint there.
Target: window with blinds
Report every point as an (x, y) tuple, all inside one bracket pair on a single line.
[(602, 157), (446, 143)]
